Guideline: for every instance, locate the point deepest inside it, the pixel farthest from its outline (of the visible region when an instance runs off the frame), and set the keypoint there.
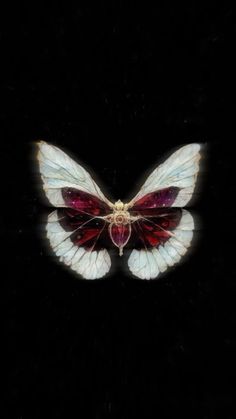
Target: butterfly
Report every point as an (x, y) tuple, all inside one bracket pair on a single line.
[(85, 224)]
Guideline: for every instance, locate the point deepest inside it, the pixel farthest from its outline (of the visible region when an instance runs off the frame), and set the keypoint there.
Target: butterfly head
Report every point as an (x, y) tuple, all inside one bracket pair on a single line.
[(120, 206)]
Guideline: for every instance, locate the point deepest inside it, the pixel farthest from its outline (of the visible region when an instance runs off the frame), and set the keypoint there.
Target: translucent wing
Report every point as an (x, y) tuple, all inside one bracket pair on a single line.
[(160, 242), (162, 232), (78, 243), (76, 231), (59, 171), (172, 183)]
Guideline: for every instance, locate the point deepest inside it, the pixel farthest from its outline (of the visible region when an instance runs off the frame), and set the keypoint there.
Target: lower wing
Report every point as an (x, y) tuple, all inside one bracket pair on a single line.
[(78, 241), (160, 241)]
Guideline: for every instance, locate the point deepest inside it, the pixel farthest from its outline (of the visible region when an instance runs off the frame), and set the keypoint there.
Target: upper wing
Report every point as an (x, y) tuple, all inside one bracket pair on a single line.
[(59, 171), (172, 183)]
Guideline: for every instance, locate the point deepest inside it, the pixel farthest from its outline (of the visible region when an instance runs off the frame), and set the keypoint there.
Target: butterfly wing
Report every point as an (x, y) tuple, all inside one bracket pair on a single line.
[(78, 243), (174, 180), (160, 242), (76, 231), (163, 231), (59, 171)]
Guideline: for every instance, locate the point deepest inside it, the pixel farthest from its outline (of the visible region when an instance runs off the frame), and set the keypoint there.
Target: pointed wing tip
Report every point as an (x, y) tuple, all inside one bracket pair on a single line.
[(39, 144), (197, 148), (42, 148), (194, 147)]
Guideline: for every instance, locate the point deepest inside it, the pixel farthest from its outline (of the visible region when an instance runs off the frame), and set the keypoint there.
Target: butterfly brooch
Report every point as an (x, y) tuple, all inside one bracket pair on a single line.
[(85, 224)]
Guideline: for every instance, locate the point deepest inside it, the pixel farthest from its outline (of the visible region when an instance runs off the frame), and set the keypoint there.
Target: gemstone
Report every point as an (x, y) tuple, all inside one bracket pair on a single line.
[(120, 234)]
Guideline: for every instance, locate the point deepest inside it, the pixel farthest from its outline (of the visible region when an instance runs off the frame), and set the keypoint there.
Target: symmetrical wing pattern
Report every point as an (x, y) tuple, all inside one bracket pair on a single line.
[(85, 224)]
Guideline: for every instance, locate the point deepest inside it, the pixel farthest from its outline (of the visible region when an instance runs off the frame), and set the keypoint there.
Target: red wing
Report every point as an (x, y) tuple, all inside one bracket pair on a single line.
[(80, 217), (159, 199), (78, 234), (148, 232), (84, 202), (157, 218), (89, 232)]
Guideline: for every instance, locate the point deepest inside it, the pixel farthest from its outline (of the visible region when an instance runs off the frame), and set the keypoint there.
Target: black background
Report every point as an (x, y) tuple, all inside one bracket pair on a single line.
[(119, 85)]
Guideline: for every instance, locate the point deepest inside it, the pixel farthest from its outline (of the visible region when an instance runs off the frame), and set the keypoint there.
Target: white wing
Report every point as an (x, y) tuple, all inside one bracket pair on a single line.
[(59, 171), (179, 170), (90, 264), (148, 264)]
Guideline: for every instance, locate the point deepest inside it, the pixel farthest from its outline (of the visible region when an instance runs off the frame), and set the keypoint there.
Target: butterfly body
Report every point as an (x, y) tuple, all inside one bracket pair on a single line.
[(85, 224), (120, 225)]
